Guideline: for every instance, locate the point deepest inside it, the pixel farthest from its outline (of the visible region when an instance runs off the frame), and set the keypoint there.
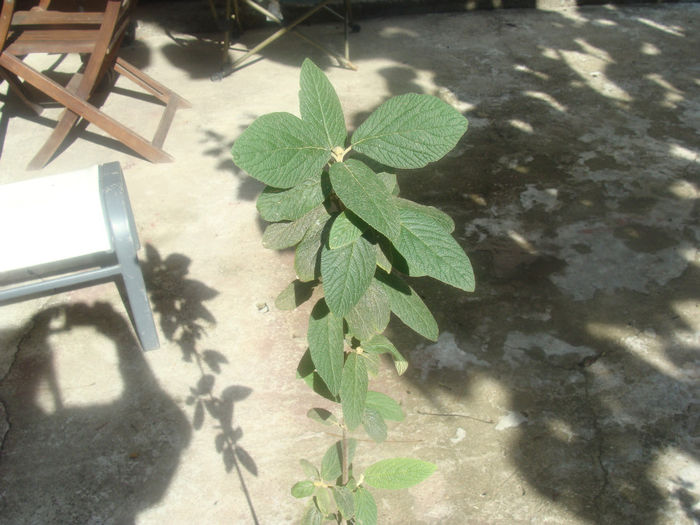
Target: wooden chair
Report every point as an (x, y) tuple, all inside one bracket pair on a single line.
[(96, 33)]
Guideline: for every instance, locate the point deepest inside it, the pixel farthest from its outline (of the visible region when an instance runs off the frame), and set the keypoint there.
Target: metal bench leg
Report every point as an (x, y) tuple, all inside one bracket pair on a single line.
[(120, 219)]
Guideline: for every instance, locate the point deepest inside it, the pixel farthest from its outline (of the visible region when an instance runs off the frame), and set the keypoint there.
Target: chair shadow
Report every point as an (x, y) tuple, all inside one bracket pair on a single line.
[(67, 459)]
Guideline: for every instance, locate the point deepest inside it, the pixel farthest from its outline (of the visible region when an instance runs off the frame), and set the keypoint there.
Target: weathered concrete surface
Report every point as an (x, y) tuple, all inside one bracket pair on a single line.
[(565, 390)]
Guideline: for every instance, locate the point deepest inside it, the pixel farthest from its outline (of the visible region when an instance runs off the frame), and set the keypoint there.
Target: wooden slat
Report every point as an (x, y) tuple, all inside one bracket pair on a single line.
[(38, 18)]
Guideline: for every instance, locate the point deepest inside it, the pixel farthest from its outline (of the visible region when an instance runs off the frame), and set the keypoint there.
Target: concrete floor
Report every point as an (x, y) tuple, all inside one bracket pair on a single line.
[(565, 390)]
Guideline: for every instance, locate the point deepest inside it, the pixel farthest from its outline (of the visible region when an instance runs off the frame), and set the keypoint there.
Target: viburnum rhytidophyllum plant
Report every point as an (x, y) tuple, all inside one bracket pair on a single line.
[(356, 238)]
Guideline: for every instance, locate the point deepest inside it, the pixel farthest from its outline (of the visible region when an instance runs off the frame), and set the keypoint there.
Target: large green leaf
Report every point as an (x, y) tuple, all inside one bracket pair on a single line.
[(409, 131), (397, 473), (429, 250), (312, 516), (408, 306), (365, 507), (366, 195), (386, 406), (291, 204), (331, 464), (281, 235), (346, 228), (444, 220), (325, 336), (379, 344), (374, 425), (347, 273), (371, 314), (320, 106), (280, 150), (353, 390)]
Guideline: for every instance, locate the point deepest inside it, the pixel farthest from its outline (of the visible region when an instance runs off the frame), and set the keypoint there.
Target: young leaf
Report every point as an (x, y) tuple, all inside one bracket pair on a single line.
[(374, 425), (353, 390), (344, 499), (429, 250), (381, 345), (281, 235), (382, 260), (365, 507), (320, 106), (325, 336), (366, 196), (303, 489), (408, 306), (346, 229), (410, 131), (397, 473), (347, 273), (291, 204), (371, 314), (312, 516), (389, 180), (387, 407), (324, 501), (280, 150), (331, 464), (322, 416), (307, 262), (295, 294), (309, 470), (306, 371), (444, 220)]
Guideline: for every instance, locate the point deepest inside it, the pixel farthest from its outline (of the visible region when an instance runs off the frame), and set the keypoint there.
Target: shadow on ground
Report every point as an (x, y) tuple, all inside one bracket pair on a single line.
[(76, 458)]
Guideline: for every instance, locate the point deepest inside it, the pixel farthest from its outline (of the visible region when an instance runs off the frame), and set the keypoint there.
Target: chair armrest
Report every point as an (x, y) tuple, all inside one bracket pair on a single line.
[(8, 7)]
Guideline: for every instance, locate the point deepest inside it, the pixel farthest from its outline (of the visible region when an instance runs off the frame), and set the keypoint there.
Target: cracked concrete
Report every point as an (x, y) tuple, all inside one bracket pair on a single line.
[(564, 390)]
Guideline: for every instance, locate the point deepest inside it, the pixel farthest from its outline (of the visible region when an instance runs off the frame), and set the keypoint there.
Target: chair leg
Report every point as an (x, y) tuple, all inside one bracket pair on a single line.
[(120, 218), (86, 110)]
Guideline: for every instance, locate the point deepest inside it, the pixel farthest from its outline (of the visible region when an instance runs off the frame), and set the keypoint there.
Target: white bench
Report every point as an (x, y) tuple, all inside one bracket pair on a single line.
[(72, 230)]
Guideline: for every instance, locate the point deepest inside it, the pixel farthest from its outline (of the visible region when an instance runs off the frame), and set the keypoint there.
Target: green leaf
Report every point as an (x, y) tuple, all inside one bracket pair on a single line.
[(331, 464), (312, 516), (295, 294), (353, 390), (398, 473), (347, 273), (345, 501), (408, 306), (444, 220), (320, 106), (307, 372), (365, 507), (321, 415), (364, 193), (303, 489), (325, 336), (381, 345), (346, 229), (309, 469), (374, 425), (280, 150), (371, 314), (410, 131), (372, 363), (291, 204), (307, 254), (429, 250), (386, 406), (281, 235)]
